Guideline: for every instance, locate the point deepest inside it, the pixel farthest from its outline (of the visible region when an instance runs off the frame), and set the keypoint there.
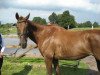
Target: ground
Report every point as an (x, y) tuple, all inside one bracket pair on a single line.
[(90, 61)]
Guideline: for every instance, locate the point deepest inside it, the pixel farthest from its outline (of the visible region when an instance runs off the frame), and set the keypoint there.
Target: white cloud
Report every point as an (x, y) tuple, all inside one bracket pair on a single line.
[(8, 15), (86, 5), (33, 2), (44, 8)]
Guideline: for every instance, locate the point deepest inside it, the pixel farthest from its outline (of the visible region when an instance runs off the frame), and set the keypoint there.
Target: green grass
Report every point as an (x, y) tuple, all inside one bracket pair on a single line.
[(8, 30), (13, 30), (36, 66), (85, 28)]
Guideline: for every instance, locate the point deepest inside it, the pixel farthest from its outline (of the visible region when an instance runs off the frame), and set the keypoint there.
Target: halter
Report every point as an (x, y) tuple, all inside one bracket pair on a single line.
[(21, 21), (25, 32)]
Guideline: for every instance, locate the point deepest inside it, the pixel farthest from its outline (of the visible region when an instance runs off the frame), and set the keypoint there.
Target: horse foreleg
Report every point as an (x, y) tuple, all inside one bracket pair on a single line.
[(56, 66), (48, 63)]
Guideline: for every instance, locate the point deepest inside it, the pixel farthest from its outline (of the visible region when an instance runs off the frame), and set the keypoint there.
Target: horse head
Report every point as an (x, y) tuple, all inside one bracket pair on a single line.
[(22, 29)]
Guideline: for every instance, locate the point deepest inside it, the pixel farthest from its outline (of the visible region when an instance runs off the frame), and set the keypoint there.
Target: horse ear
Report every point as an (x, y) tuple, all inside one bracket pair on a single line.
[(17, 16), (27, 17)]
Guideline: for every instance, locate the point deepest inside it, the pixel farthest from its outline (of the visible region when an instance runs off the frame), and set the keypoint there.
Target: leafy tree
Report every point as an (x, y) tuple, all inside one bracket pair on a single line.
[(95, 24), (87, 24), (64, 19), (53, 18), (80, 25), (39, 20)]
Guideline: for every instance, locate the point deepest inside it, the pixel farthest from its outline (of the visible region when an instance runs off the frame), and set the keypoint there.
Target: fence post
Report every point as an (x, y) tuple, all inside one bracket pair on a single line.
[(68, 26), (92, 27)]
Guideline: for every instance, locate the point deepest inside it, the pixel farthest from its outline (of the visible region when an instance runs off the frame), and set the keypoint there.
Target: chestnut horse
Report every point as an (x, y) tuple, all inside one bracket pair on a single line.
[(57, 43)]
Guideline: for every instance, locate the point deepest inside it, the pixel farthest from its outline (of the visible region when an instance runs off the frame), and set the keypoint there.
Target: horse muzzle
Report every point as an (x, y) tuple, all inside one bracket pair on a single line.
[(24, 45), (23, 42)]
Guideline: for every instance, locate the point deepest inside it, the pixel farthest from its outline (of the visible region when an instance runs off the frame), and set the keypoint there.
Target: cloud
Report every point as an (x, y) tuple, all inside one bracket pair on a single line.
[(83, 10), (8, 15), (52, 5), (44, 5)]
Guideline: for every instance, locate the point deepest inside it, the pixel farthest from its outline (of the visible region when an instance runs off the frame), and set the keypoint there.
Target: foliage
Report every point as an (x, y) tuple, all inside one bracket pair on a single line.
[(64, 20), (36, 66), (53, 18), (7, 28), (95, 24), (39, 20), (88, 24)]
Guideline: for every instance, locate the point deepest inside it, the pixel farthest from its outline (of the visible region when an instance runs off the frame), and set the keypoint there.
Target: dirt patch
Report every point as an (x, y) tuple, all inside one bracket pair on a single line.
[(90, 61)]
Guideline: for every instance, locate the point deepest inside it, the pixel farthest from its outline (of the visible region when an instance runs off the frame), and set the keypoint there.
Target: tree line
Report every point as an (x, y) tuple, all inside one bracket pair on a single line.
[(87, 24), (65, 20)]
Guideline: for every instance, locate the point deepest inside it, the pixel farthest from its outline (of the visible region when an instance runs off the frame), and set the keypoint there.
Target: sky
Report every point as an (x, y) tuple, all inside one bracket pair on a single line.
[(83, 10)]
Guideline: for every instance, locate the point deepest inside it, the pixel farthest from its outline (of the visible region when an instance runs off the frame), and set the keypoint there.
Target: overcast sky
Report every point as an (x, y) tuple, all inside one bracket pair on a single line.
[(83, 10)]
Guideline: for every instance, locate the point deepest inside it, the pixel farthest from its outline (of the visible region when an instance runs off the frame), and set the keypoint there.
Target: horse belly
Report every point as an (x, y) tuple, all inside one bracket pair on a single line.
[(70, 57), (72, 52)]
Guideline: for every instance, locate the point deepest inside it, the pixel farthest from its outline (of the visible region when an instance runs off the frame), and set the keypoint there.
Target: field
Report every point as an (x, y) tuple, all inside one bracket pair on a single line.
[(8, 30), (13, 30), (85, 28), (36, 66)]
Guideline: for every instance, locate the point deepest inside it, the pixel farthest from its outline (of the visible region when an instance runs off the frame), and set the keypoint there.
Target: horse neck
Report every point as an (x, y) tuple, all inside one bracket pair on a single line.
[(35, 31)]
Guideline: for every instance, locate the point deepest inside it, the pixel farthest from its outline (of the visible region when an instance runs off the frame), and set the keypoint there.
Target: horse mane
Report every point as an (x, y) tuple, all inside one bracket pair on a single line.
[(52, 26)]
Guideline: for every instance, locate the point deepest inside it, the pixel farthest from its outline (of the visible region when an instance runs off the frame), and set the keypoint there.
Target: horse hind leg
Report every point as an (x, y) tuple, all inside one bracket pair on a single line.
[(56, 66)]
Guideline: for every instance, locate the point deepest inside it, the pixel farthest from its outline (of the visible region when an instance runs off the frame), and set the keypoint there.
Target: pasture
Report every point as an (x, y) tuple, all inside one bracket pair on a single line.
[(12, 29), (36, 66)]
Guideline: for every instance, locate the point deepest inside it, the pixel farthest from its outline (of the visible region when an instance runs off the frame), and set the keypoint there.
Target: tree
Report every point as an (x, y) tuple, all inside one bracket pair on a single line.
[(85, 24), (39, 20), (0, 22), (63, 20), (53, 18), (88, 24), (95, 24), (66, 19)]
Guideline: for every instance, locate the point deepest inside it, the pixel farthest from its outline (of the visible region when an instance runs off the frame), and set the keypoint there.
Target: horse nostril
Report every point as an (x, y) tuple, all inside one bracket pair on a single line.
[(19, 44), (23, 45)]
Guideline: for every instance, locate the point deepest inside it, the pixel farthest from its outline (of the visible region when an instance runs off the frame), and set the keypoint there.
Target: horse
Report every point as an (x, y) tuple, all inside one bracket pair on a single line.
[(56, 43)]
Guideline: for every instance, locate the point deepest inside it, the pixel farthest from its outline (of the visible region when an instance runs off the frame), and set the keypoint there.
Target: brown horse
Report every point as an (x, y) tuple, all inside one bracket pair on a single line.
[(56, 43)]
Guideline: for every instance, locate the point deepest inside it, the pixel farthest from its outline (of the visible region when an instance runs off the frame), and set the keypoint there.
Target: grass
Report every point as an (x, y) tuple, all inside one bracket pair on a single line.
[(36, 66), (8, 30), (13, 30), (85, 28)]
